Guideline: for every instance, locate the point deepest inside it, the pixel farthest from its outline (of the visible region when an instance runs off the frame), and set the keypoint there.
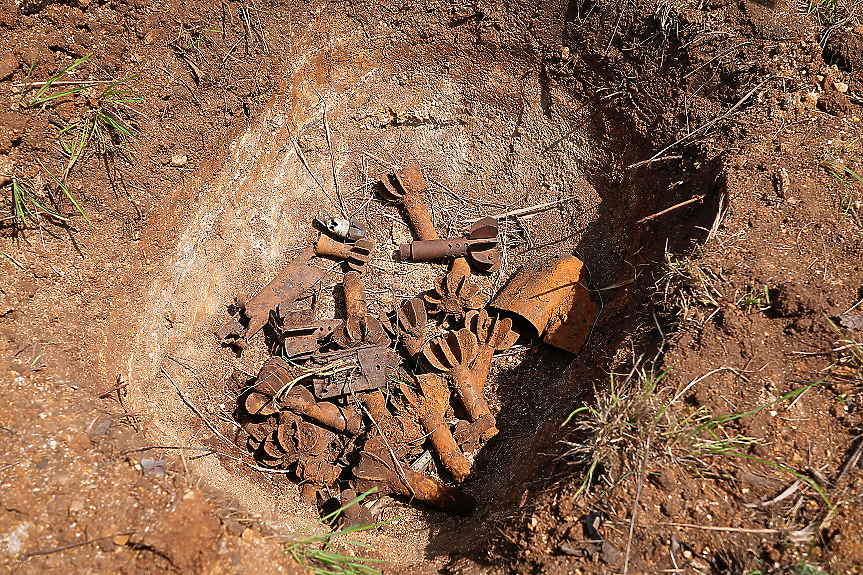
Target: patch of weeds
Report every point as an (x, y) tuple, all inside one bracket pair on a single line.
[(687, 291), (42, 97), (66, 191), (317, 552), (834, 163), (755, 298), (24, 204), (825, 11), (105, 124), (106, 120), (615, 429)]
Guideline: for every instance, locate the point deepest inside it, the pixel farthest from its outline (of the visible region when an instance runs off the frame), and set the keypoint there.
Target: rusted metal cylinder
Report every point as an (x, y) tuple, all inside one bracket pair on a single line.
[(451, 457), (552, 301), (301, 401), (469, 392), (430, 408), (376, 403), (326, 246), (460, 268), (419, 217), (355, 295), (426, 250)]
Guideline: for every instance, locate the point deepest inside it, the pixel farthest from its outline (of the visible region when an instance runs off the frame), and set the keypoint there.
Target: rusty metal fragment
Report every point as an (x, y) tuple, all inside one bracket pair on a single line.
[(359, 328), (317, 470), (300, 400), (257, 403), (350, 371), (350, 230), (287, 286), (378, 467), (455, 352), (356, 255), (454, 293), (411, 319), (550, 300), (493, 334), (469, 435), (404, 433), (480, 247), (429, 406), (312, 439), (297, 333), (405, 186)]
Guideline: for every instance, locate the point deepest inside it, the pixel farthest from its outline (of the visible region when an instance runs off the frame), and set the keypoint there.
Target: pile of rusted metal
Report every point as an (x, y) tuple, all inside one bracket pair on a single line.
[(353, 403)]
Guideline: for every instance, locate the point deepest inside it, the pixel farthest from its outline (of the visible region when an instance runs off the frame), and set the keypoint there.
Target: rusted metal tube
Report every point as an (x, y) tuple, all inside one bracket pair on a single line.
[(376, 403), (325, 246), (419, 217), (355, 296), (421, 251), (469, 392), (356, 255), (301, 401), (409, 194), (429, 409), (377, 465), (451, 457)]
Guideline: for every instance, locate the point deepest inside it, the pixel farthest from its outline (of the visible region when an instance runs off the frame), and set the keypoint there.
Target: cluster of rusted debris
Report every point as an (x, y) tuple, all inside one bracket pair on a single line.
[(353, 402)]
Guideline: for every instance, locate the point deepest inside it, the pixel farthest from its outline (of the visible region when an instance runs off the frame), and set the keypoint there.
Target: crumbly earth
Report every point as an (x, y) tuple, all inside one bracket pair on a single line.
[(726, 261)]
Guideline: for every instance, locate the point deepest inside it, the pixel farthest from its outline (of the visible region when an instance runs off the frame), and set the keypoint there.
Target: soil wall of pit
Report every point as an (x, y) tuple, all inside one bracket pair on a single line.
[(475, 106)]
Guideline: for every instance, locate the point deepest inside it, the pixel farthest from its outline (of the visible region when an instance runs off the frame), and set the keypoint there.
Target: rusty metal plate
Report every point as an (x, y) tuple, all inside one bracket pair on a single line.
[(287, 286), (369, 373)]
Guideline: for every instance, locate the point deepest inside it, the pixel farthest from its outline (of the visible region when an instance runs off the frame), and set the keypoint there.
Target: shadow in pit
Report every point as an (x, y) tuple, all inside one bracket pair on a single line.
[(537, 395)]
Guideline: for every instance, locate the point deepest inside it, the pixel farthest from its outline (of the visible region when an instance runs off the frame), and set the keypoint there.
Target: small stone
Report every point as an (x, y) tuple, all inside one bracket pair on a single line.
[(841, 87), (82, 39), (8, 63), (781, 182), (7, 168), (121, 539), (564, 53), (179, 160)]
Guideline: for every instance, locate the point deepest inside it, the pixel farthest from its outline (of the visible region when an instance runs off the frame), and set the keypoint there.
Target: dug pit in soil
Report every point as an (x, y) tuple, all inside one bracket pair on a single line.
[(476, 117)]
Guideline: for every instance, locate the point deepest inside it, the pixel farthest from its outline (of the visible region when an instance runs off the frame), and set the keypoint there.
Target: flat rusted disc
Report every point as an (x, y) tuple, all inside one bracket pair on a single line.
[(484, 228)]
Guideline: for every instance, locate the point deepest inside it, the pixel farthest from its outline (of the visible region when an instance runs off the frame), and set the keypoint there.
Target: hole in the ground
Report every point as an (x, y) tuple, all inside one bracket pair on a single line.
[(494, 134)]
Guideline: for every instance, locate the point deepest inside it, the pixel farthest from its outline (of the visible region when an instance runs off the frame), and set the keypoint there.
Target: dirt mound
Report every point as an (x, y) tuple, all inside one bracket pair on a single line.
[(702, 160)]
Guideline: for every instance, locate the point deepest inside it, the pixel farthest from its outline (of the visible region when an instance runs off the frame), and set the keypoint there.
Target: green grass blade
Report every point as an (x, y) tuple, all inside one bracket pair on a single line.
[(27, 78), (68, 92), (38, 98), (110, 91), (18, 202), (37, 356), (573, 414), (113, 123), (66, 191), (33, 201), (77, 149)]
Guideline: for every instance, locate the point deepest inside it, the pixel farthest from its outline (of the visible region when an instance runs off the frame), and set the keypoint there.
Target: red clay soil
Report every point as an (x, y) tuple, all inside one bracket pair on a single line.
[(728, 261)]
